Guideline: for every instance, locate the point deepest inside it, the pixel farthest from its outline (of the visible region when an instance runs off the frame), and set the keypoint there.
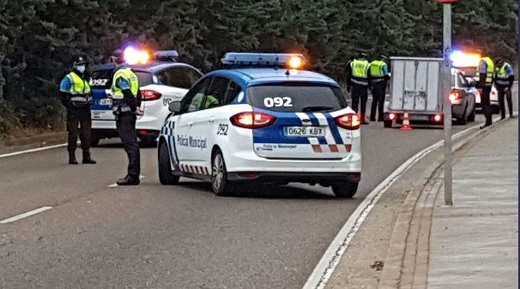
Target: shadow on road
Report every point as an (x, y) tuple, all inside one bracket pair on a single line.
[(264, 191)]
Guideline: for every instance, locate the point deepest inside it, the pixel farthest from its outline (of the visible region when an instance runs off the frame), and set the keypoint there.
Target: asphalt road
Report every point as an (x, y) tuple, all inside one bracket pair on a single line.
[(155, 236)]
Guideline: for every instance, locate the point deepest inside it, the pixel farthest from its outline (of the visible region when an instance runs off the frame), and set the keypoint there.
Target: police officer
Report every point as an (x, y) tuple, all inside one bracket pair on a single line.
[(378, 81), (126, 99), (358, 77), (75, 95), (504, 79), (485, 82)]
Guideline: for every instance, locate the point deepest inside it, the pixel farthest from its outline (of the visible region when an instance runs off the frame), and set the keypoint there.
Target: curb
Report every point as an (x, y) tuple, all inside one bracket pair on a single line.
[(407, 260)]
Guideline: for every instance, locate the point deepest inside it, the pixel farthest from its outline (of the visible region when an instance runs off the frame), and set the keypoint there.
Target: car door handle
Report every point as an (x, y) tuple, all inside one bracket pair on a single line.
[(189, 123), (211, 119)]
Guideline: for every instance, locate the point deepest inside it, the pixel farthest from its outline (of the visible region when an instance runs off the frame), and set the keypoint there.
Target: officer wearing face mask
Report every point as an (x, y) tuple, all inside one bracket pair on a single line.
[(75, 95)]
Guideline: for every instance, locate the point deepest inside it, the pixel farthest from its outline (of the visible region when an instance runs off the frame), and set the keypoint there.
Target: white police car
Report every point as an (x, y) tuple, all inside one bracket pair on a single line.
[(161, 79), (262, 121)]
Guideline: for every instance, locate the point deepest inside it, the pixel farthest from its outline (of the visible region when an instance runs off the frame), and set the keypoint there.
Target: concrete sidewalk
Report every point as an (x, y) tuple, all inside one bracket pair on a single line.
[(474, 244)]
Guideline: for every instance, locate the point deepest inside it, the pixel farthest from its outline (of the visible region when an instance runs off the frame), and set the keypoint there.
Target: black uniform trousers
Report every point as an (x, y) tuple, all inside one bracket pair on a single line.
[(125, 124), (378, 100), (359, 92), (78, 116), (486, 104), (501, 93)]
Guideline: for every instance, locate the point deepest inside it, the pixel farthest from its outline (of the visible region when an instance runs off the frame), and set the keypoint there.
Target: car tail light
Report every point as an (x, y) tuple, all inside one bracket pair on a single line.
[(348, 121), (437, 117), (148, 94), (455, 96), (392, 116), (252, 119)]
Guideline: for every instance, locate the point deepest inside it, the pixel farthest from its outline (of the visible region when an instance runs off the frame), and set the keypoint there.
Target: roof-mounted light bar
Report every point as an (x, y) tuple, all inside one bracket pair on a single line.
[(288, 60), (134, 56)]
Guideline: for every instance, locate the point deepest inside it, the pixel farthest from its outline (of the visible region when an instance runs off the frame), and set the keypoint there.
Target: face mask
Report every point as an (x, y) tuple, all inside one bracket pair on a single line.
[(81, 68)]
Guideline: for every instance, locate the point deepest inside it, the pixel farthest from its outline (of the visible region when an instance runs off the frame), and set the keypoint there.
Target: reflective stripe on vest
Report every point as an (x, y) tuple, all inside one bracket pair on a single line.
[(128, 75), (360, 68), (490, 70)]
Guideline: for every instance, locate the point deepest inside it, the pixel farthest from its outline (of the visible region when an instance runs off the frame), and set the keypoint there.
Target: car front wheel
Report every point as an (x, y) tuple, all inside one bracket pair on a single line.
[(219, 181), (165, 172)]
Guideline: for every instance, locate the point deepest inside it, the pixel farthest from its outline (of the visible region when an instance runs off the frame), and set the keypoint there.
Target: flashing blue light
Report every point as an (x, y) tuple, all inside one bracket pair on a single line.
[(456, 55), (261, 59)]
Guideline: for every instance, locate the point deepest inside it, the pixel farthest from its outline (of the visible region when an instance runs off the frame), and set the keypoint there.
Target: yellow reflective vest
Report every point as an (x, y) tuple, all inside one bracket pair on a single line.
[(490, 69), (79, 89), (128, 75), (360, 68)]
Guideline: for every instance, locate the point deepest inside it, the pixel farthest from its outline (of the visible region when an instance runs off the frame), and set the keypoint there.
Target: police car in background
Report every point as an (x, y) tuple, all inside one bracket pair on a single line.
[(161, 79), (468, 63), (262, 120)]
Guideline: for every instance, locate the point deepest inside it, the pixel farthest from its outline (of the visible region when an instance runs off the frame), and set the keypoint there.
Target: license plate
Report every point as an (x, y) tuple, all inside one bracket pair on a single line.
[(419, 117), (305, 131), (105, 101)]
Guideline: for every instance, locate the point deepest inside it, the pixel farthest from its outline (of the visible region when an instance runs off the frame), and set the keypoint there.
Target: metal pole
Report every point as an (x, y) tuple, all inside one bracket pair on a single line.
[(446, 80)]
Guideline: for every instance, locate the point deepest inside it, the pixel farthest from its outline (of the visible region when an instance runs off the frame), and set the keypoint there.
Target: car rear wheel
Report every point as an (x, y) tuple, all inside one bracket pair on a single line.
[(387, 123), (463, 120), (165, 171), (94, 140), (147, 141), (219, 181), (471, 116), (345, 189)]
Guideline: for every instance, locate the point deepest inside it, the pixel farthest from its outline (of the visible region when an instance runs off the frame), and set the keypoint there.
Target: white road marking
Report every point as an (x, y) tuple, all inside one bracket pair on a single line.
[(32, 150), (330, 259), (25, 215)]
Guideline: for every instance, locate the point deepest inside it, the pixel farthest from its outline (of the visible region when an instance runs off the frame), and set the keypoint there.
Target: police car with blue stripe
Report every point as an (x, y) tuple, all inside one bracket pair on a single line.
[(162, 79), (262, 119)]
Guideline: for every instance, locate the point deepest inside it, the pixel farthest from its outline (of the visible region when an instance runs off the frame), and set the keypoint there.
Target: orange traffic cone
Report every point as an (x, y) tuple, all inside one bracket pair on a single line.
[(406, 122)]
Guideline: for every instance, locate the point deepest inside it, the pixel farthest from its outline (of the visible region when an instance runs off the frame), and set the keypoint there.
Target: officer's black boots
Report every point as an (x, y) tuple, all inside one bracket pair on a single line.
[(87, 159), (128, 181), (72, 159)]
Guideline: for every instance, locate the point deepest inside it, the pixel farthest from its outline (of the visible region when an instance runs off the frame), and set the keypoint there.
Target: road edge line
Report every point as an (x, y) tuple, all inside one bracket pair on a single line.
[(25, 215), (32, 150)]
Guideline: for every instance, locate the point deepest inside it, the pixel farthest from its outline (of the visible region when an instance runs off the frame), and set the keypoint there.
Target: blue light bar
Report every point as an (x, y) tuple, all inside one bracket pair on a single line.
[(166, 55), (259, 59)]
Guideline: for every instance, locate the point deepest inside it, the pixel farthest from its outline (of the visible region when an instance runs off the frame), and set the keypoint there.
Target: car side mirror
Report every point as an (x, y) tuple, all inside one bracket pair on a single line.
[(472, 83), (174, 106)]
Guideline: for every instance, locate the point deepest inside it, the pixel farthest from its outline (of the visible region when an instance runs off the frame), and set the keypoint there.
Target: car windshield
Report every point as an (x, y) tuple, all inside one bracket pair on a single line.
[(297, 97)]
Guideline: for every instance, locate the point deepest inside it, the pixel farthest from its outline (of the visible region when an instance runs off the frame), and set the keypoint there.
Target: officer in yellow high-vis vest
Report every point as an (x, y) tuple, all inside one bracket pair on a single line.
[(504, 79), (75, 95), (379, 77), (485, 82), (126, 100), (358, 77)]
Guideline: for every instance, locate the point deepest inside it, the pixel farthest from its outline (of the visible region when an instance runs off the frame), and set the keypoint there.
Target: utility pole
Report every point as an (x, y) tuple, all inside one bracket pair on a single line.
[(446, 89)]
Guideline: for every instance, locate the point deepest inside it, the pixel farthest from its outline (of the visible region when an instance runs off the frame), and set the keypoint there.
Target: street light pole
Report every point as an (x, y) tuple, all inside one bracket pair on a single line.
[(446, 89)]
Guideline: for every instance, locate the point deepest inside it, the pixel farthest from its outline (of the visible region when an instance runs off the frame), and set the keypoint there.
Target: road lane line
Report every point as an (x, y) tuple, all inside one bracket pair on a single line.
[(25, 215), (32, 150), (330, 259)]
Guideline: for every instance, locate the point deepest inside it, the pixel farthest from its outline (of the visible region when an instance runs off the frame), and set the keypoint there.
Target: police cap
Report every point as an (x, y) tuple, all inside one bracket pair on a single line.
[(79, 60)]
